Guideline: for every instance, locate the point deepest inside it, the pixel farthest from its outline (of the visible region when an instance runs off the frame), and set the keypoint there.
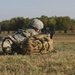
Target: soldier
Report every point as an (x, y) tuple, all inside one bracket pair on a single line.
[(15, 41), (35, 28)]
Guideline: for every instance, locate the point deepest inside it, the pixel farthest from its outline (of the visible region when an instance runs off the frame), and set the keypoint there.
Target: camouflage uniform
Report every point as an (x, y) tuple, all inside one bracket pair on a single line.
[(13, 43), (39, 43), (30, 32), (24, 35), (35, 24)]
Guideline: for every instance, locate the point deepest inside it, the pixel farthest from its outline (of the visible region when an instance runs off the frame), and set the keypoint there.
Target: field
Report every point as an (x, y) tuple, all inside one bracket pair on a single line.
[(61, 62)]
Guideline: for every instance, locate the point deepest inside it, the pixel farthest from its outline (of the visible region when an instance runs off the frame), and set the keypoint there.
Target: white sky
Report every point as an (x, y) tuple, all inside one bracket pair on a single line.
[(36, 8)]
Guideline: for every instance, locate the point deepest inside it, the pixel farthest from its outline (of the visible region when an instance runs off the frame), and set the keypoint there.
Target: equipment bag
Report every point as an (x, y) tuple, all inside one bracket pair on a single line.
[(38, 44)]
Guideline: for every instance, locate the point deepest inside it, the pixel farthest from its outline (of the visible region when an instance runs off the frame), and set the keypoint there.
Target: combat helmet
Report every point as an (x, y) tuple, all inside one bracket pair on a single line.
[(36, 23)]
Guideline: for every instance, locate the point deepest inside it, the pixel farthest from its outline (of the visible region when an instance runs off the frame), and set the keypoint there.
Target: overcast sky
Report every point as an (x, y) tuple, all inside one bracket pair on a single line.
[(36, 8)]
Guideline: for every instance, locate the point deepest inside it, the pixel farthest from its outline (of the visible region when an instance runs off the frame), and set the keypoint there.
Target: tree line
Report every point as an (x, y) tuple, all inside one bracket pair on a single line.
[(59, 23)]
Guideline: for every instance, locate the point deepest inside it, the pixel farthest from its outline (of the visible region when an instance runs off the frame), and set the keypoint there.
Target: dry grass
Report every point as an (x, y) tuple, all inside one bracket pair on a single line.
[(61, 62)]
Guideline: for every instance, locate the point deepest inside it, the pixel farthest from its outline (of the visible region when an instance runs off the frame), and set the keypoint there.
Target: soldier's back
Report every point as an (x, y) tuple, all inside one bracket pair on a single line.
[(29, 32)]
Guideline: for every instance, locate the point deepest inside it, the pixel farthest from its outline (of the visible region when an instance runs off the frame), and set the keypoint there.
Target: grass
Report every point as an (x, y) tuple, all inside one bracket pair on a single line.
[(61, 62)]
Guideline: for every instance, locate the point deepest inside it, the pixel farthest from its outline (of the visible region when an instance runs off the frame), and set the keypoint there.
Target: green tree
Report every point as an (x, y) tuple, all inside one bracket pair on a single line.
[(66, 24), (13, 24), (72, 25), (58, 23), (51, 22), (26, 23), (19, 22), (5, 25), (44, 19)]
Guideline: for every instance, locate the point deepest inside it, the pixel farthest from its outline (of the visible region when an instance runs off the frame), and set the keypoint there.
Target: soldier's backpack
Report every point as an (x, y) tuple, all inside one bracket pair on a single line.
[(38, 44)]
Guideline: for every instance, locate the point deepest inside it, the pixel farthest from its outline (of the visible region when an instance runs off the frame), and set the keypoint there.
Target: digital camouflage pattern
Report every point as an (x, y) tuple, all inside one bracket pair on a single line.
[(28, 41), (36, 23), (29, 32), (11, 44), (24, 35)]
